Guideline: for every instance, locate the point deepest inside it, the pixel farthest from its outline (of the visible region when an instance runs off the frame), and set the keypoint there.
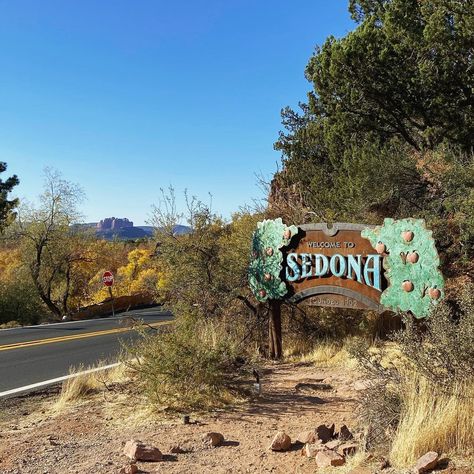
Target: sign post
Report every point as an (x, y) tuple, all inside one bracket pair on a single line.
[(108, 280)]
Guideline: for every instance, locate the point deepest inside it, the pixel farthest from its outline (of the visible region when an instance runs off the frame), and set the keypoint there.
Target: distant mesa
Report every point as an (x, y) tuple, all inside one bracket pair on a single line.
[(122, 228), (113, 223)]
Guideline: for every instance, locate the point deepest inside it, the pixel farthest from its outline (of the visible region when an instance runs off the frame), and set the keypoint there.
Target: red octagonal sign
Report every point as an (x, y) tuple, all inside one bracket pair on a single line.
[(108, 278)]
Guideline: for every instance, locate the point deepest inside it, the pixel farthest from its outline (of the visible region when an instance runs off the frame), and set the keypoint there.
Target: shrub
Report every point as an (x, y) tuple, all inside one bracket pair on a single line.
[(192, 365), (442, 348), (420, 389)]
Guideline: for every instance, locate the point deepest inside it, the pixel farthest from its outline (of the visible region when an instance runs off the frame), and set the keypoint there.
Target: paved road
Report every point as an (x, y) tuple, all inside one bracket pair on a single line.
[(35, 354)]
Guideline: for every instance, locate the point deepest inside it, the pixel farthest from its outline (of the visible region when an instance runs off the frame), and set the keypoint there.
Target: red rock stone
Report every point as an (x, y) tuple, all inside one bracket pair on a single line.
[(427, 462), (328, 458), (130, 469), (307, 437), (311, 450), (347, 449), (138, 451), (325, 432), (213, 439), (281, 442), (345, 434)]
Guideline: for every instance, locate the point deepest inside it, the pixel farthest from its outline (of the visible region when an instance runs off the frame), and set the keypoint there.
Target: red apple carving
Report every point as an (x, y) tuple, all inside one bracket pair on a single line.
[(407, 236), (434, 293), (407, 286), (267, 277), (413, 257), (380, 248), (269, 251), (287, 234), (262, 293)]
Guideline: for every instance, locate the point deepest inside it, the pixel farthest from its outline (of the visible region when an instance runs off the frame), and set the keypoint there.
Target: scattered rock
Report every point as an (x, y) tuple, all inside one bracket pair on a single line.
[(333, 444), (281, 442), (306, 437), (325, 432), (213, 439), (345, 434), (138, 451), (347, 449), (328, 458), (130, 469), (310, 450), (427, 462)]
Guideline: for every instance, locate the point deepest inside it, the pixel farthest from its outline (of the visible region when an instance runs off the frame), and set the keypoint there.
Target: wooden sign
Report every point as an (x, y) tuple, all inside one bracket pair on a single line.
[(394, 266), (333, 267)]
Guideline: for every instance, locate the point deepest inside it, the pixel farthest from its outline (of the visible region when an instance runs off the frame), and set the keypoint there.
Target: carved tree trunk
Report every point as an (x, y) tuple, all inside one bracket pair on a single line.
[(274, 332)]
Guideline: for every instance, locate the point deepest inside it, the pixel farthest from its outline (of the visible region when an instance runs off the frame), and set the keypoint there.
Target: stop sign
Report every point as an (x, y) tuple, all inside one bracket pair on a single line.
[(108, 278)]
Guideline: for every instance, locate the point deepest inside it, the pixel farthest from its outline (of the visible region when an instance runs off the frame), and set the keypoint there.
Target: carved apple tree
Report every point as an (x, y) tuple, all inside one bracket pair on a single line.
[(411, 263), (264, 274), (266, 262)]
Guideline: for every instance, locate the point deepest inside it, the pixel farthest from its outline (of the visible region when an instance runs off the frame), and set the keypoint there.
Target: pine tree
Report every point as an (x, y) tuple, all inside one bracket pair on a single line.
[(7, 214)]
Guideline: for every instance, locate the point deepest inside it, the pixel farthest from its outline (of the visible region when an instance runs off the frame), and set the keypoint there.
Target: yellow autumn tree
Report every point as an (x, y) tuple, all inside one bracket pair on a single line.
[(139, 275)]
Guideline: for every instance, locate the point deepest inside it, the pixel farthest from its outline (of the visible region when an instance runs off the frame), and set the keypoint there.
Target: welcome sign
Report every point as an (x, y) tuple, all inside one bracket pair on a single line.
[(333, 267), (393, 266)]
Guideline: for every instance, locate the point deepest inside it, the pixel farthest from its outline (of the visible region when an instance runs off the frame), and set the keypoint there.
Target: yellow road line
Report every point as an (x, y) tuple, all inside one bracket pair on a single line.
[(51, 340)]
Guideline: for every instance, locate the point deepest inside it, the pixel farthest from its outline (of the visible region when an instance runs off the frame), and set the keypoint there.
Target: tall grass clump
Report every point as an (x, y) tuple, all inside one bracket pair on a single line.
[(420, 394), (192, 365), (433, 420)]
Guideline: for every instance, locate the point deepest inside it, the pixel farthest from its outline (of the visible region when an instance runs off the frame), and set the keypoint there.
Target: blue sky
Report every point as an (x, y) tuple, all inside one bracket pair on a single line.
[(125, 97)]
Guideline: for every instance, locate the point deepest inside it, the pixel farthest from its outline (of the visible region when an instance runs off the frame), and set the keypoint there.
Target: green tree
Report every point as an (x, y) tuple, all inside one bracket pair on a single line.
[(7, 214), (405, 71), (388, 129)]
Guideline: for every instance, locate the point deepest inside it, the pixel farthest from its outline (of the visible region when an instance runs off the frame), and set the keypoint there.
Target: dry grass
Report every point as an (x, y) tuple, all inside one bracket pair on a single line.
[(432, 420), (10, 325), (86, 384), (328, 353)]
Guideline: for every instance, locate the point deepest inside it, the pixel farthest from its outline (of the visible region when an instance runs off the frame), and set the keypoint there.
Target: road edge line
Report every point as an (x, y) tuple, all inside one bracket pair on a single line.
[(45, 383)]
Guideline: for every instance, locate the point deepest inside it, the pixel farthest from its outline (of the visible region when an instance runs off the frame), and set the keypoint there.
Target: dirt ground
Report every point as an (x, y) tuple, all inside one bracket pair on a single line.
[(89, 437)]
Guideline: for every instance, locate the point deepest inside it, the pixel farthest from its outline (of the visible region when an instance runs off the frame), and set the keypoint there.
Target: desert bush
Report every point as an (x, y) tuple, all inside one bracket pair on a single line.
[(442, 348), (192, 365), (420, 387)]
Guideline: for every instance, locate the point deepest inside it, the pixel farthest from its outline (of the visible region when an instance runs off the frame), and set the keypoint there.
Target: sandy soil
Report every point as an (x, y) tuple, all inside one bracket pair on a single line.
[(89, 437)]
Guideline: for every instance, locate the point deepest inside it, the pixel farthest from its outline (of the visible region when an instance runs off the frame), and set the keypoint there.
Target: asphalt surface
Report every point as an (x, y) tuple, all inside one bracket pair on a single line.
[(36, 354)]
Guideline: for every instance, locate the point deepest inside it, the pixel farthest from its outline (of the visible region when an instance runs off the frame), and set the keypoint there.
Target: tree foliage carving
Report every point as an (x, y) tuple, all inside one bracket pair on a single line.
[(266, 264), (411, 263)]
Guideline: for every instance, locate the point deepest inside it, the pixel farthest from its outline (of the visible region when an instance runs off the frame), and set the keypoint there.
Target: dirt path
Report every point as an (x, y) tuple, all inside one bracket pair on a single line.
[(89, 438)]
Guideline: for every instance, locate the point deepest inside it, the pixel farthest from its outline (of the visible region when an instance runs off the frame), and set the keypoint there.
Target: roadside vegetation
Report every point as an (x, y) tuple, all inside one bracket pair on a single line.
[(387, 130)]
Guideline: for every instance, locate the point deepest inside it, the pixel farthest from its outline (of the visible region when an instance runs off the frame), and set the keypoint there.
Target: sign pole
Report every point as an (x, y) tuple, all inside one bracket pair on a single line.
[(112, 298), (274, 330)]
